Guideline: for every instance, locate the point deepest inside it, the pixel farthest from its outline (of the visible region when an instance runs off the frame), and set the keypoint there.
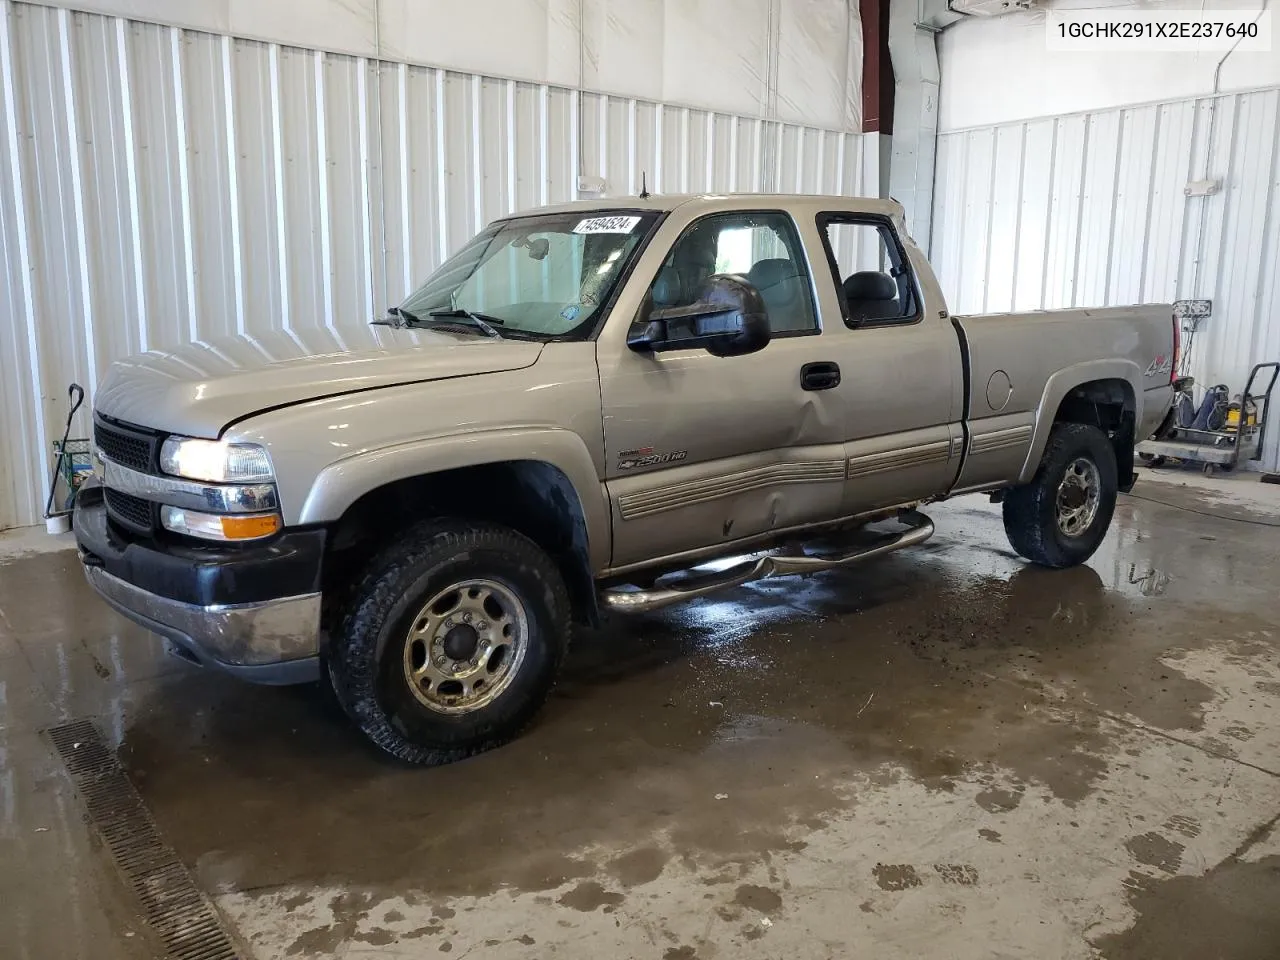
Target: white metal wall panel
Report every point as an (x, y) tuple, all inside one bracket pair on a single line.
[(1006, 207), (1163, 238), (976, 211), (1035, 192), (1247, 206), (1117, 227), (1066, 192), (1097, 207), (1130, 212), (799, 60), (948, 218), (159, 185), (21, 405)]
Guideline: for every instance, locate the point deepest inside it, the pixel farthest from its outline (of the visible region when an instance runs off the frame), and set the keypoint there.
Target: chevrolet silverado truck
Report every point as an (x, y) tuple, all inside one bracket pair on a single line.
[(604, 406)]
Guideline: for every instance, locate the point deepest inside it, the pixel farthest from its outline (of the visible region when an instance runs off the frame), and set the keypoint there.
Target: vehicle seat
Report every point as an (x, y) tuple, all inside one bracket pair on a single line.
[(871, 295), (783, 290), (668, 288), (691, 262)]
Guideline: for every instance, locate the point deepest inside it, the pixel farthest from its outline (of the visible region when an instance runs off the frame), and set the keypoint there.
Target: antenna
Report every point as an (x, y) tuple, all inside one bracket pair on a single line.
[(644, 187)]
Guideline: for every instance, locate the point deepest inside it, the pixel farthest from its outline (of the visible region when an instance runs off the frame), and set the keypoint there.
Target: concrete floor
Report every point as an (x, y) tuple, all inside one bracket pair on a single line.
[(946, 753)]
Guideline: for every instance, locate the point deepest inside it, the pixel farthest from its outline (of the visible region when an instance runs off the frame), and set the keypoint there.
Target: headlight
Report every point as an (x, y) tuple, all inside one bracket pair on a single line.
[(215, 460), (217, 526)]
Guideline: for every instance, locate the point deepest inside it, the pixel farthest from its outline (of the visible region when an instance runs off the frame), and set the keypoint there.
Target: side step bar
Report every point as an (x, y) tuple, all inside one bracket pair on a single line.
[(619, 599)]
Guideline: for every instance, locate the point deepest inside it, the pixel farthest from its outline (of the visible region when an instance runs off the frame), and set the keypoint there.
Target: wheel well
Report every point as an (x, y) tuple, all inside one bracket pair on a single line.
[(1108, 405), (529, 496)]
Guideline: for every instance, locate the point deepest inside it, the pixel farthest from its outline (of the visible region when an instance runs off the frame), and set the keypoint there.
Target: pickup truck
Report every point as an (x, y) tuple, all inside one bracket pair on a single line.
[(602, 406)]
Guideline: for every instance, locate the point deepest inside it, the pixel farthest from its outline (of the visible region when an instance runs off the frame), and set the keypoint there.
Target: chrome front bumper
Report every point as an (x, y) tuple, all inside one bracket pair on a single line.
[(271, 642)]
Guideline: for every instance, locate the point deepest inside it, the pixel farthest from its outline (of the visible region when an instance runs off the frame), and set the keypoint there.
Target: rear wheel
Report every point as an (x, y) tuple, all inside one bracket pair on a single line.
[(451, 642), (1061, 516)]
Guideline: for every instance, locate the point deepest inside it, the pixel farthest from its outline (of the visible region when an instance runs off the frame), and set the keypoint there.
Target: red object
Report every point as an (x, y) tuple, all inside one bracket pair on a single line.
[(877, 68), (1177, 350)]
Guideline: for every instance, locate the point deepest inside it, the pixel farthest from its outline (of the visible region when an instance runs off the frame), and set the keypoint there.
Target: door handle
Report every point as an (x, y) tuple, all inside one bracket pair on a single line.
[(820, 376)]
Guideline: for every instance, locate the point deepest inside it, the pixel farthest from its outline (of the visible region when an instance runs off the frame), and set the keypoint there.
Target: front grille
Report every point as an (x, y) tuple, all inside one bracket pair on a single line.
[(126, 446), (134, 448), (132, 512)]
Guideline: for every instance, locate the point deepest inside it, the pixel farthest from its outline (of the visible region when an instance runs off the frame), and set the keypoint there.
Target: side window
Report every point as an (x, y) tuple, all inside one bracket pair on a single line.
[(872, 275), (763, 247)]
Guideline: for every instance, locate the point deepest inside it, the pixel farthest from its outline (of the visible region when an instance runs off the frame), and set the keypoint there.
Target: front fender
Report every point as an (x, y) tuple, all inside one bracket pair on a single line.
[(340, 484), (1063, 382)]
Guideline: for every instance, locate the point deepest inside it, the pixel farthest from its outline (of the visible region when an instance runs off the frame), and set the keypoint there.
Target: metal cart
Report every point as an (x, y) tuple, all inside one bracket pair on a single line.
[(74, 464), (1219, 449)]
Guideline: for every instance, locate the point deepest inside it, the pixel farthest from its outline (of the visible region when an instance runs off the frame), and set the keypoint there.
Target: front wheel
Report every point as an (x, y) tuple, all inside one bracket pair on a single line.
[(451, 642), (1061, 516)]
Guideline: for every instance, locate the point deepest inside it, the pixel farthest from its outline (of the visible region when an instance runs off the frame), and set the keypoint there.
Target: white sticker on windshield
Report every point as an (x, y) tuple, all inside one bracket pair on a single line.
[(606, 225)]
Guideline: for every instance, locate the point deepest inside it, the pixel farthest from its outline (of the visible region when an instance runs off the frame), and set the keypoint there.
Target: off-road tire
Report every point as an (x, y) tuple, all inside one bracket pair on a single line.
[(365, 660), (1030, 519)]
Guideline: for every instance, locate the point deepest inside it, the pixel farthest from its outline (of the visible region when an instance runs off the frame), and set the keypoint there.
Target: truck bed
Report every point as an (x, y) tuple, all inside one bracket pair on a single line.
[(1022, 366)]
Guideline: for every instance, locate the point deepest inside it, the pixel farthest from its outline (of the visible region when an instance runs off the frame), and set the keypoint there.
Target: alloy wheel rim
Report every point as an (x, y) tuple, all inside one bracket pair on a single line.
[(1079, 495), (465, 646)]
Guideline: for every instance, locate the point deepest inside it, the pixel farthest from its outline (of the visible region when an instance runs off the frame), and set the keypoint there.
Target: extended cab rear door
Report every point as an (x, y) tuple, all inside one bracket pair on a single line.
[(899, 355)]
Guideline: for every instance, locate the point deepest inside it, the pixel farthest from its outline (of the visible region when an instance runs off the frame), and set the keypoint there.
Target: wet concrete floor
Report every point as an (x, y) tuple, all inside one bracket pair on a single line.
[(946, 753)]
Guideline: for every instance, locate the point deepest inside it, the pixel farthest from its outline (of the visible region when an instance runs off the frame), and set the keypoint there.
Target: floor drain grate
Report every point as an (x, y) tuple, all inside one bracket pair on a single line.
[(173, 905)]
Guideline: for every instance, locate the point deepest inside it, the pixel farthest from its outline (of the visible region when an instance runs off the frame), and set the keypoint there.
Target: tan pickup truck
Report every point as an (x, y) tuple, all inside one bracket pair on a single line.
[(575, 414)]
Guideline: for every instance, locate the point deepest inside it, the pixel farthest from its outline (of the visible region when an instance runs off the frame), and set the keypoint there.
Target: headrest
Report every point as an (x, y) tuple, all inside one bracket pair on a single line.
[(668, 287), (767, 273), (697, 250), (870, 285)]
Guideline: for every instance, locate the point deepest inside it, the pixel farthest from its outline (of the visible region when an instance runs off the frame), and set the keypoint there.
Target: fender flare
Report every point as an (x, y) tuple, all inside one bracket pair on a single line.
[(1063, 382), (342, 483)]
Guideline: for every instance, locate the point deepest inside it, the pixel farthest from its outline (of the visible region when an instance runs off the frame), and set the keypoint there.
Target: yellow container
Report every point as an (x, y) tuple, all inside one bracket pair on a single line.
[(1233, 416)]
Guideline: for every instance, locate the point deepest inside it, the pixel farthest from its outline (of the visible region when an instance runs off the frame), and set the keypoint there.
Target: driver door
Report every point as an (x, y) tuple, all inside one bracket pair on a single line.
[(702, 451)]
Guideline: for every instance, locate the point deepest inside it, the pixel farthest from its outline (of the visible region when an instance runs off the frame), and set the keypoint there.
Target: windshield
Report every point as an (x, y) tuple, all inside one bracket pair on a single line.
[(541, 276)]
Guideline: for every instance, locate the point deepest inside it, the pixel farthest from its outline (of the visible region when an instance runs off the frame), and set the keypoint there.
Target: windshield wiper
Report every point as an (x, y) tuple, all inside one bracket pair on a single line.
[(485, 322), (397, 317)]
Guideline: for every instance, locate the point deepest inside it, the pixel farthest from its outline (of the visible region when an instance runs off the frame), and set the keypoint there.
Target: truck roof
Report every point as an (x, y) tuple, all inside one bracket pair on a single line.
[(698, 204)]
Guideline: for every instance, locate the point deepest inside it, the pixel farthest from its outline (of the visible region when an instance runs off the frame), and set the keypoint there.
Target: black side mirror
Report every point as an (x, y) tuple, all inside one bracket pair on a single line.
[(728, 318)]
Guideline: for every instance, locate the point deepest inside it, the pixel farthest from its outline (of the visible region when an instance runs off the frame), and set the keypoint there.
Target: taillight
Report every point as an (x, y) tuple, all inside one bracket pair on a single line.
[(1177, 349)]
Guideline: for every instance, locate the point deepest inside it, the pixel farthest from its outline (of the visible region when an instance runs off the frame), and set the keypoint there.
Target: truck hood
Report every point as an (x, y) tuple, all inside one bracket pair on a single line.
[(199, 388)]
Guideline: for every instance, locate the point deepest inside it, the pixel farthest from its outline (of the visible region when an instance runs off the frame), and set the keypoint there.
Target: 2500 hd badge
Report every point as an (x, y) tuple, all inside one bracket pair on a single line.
[(645, 457)]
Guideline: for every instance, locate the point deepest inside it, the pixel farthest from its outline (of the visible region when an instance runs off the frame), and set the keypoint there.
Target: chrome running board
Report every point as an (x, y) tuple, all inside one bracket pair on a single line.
[(686, 586)]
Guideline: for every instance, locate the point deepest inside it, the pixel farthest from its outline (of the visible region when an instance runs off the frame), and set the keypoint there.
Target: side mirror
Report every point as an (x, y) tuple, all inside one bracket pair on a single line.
[(728, 318)]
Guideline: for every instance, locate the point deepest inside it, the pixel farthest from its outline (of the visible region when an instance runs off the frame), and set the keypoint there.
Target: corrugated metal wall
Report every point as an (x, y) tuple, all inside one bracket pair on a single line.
[(1089, 210), (160, 185)]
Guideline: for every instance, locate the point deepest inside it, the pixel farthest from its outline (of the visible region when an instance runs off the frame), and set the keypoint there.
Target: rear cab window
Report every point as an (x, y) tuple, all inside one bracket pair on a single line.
[(874, 281)]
